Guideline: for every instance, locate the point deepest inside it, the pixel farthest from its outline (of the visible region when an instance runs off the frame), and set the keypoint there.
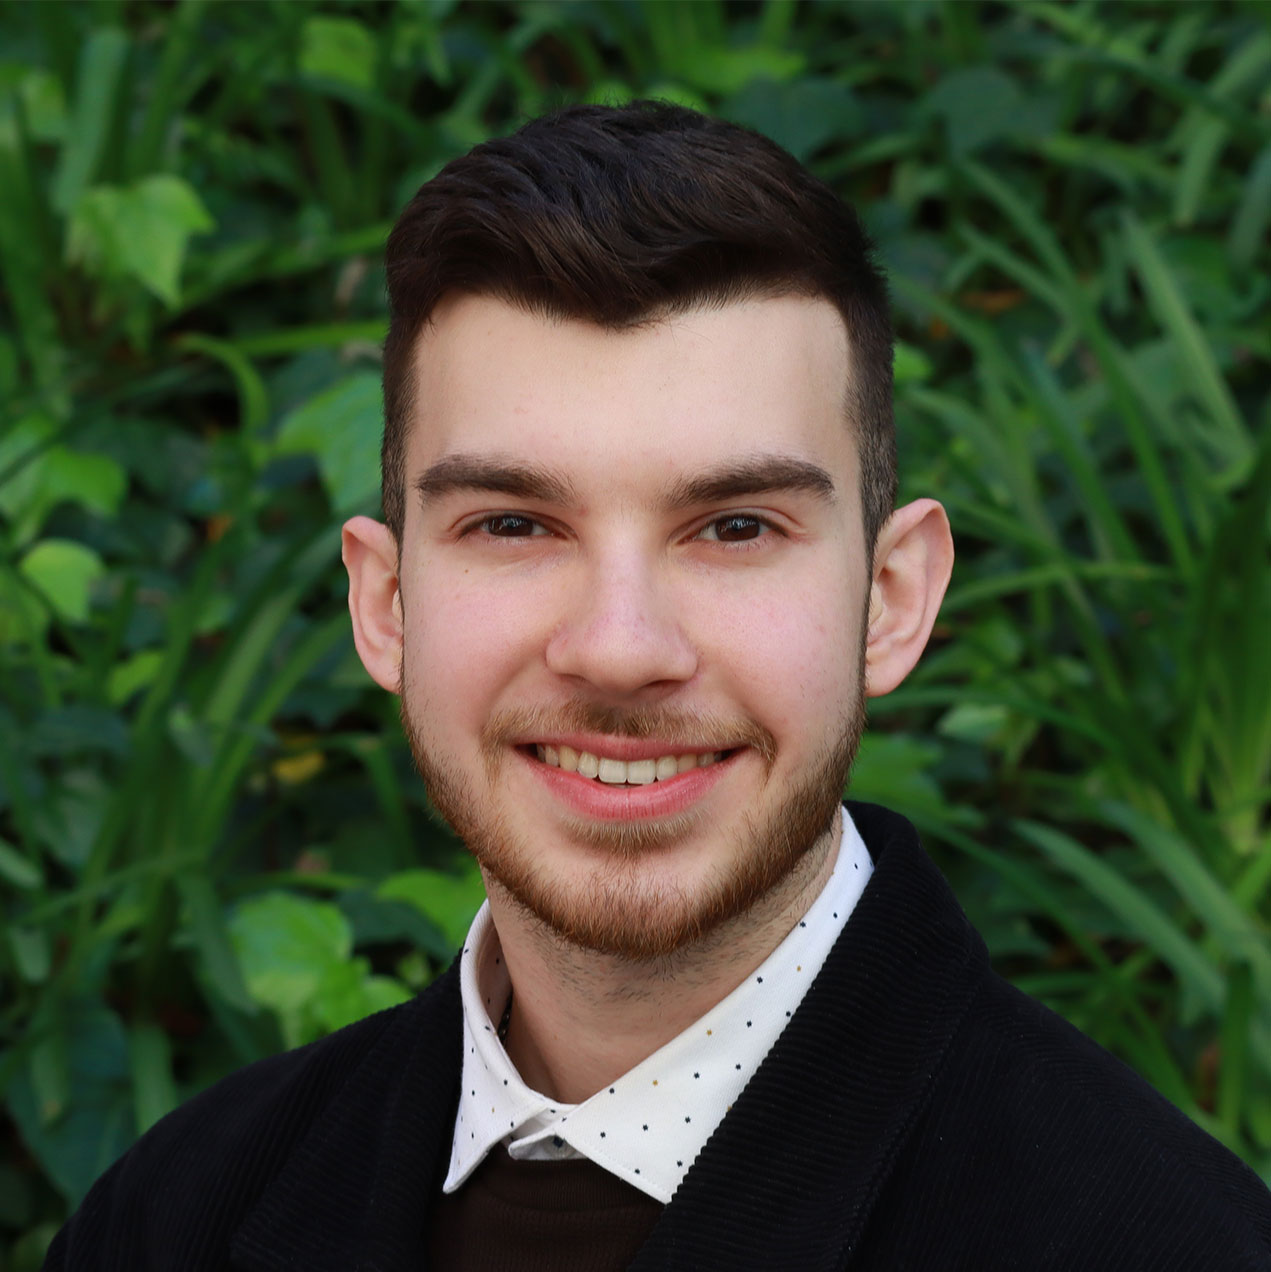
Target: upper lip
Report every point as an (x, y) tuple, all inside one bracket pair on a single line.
[(620, 748)]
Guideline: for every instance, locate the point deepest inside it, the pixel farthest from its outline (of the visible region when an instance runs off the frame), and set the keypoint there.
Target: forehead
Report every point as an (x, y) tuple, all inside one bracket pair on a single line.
[(764, 375)]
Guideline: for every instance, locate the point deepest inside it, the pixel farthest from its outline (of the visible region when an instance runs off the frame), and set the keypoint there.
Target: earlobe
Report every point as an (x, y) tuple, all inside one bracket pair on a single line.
[(369, 551), (913, 560)]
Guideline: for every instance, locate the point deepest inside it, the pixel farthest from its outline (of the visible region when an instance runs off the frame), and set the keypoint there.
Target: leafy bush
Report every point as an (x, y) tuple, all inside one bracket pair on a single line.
[(212, 843)]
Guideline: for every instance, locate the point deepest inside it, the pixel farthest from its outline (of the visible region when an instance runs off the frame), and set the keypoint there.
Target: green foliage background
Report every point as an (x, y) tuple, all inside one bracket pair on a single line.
[(212, 844)]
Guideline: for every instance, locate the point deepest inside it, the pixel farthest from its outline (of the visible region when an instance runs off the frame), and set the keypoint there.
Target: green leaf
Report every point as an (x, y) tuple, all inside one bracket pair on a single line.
[(449, 900), (338, 49), (287, 945), (17, 870), (340, 428), (140, 231), (43, 105), (213, 941), (69, 817), (348, 992), (1249, 226), (75, 1142), (893, 769), (31, 953), (910, 365), (978, 104), (154, 1091), (135, 673), (43, 475), (801, 115), (101, 65), (64, 572)]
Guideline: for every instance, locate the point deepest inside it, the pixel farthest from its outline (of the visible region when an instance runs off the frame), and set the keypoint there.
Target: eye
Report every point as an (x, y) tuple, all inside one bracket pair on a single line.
[(510, 525), (736, 527)]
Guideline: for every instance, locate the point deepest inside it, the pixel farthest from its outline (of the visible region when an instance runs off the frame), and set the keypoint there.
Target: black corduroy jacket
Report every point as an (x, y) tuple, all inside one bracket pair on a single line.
[(917, 1114)]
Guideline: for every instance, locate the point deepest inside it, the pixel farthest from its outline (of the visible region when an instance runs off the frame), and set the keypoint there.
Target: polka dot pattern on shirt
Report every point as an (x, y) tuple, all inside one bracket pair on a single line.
[(649, 1125)]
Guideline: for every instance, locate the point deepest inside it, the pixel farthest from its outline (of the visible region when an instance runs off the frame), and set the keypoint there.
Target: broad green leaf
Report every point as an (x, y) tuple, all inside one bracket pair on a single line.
[(348, 992), (449, 900), (17, 870), (64, 572), (141, 231), (340, 428), (338, 49), (31, 952), (724, 70), (134, 673), (978, 104), (78, 1141), (910, 365), (69, 816), (286, 946), (894, 769), (801, 115), (42, 475)]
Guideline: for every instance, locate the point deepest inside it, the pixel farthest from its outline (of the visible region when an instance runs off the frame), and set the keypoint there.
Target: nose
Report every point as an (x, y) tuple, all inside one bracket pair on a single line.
[(622, 633)]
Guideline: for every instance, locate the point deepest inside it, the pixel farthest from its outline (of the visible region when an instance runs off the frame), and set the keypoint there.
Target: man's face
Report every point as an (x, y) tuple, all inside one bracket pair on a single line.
[(638, 552)]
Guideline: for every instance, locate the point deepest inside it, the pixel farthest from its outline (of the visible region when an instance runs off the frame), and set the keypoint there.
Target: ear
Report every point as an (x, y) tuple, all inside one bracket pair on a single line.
[(913, 559), (369, 551)]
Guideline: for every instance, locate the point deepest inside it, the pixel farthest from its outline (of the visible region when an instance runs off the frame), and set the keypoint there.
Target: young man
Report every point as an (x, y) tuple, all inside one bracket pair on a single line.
[(639, 571)]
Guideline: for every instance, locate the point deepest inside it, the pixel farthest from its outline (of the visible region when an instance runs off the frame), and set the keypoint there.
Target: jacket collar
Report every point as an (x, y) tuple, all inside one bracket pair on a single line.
[(800, 1159), (807, 1147)]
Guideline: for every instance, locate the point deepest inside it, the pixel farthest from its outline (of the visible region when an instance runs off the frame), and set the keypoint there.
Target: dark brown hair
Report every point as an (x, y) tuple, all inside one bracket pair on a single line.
[(616, 215)]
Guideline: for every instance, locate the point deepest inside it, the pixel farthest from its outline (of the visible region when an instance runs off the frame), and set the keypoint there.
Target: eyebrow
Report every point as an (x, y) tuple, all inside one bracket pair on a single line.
[(510, 477), (754, 475), (735, 479)]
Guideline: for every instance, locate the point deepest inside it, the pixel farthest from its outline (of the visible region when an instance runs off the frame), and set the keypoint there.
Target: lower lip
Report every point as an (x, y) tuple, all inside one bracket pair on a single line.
[(595, 799)]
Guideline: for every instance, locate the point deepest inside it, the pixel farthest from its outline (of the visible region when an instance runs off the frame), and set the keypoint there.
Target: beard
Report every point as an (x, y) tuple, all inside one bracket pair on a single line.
[(624, 907)]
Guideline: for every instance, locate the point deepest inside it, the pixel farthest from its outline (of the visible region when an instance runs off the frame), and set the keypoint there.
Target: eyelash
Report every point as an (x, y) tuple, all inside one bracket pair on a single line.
[(766, 528)]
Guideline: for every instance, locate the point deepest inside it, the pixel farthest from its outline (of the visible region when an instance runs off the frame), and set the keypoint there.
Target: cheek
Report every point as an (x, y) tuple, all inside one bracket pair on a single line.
[(793, 650), (464, 644)]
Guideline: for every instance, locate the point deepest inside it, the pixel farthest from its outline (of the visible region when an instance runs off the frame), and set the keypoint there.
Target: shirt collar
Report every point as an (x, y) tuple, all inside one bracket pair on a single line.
[(653, 1121)]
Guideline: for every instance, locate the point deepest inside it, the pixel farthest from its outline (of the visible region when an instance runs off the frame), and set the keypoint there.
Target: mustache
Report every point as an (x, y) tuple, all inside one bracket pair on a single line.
[(689, 731)]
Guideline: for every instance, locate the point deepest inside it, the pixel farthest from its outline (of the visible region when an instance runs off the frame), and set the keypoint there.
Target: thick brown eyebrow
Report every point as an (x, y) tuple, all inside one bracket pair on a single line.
[(496, 476), (757, 475)]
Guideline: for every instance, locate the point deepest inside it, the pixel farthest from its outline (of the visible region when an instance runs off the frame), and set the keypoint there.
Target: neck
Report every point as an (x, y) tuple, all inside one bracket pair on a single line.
[(581, 1019)]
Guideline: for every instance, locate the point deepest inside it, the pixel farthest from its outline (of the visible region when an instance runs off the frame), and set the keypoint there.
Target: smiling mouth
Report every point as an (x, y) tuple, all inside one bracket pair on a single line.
[(625, 772)]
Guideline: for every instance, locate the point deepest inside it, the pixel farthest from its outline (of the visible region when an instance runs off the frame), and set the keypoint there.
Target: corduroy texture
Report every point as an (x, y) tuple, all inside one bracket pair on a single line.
[(917, 1115), (571, 1216)]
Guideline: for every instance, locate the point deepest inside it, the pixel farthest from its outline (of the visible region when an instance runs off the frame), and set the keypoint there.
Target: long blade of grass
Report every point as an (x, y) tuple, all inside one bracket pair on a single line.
[(23, 219), (1233, 1075), (98, 85), (1163, 1072), (1208, 134), (154, 1092), (1166, 300), (1046, 245), (1249, 226)]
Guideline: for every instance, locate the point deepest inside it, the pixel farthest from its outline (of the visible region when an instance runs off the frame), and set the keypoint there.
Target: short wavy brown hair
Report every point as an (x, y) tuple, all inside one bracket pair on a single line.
[(616, 215)]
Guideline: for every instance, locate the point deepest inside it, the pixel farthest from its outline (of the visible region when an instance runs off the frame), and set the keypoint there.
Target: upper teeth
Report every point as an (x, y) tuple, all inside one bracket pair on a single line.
[(618, 772)]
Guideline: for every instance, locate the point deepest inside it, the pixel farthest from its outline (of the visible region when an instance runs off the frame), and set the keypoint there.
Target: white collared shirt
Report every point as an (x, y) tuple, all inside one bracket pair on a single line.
[(653, 1121)]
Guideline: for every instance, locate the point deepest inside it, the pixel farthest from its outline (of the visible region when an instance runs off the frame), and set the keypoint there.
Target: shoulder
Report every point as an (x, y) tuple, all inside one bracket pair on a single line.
[(176, 1197), (1071, 1159), (1031, 1147)]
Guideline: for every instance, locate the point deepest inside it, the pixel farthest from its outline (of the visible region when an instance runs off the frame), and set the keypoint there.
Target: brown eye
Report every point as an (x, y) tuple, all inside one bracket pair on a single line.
[(735, 529), (509, 525)]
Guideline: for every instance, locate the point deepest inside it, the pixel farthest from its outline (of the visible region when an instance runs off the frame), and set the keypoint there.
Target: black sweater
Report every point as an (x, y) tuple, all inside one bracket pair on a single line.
[(919, 1114)]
